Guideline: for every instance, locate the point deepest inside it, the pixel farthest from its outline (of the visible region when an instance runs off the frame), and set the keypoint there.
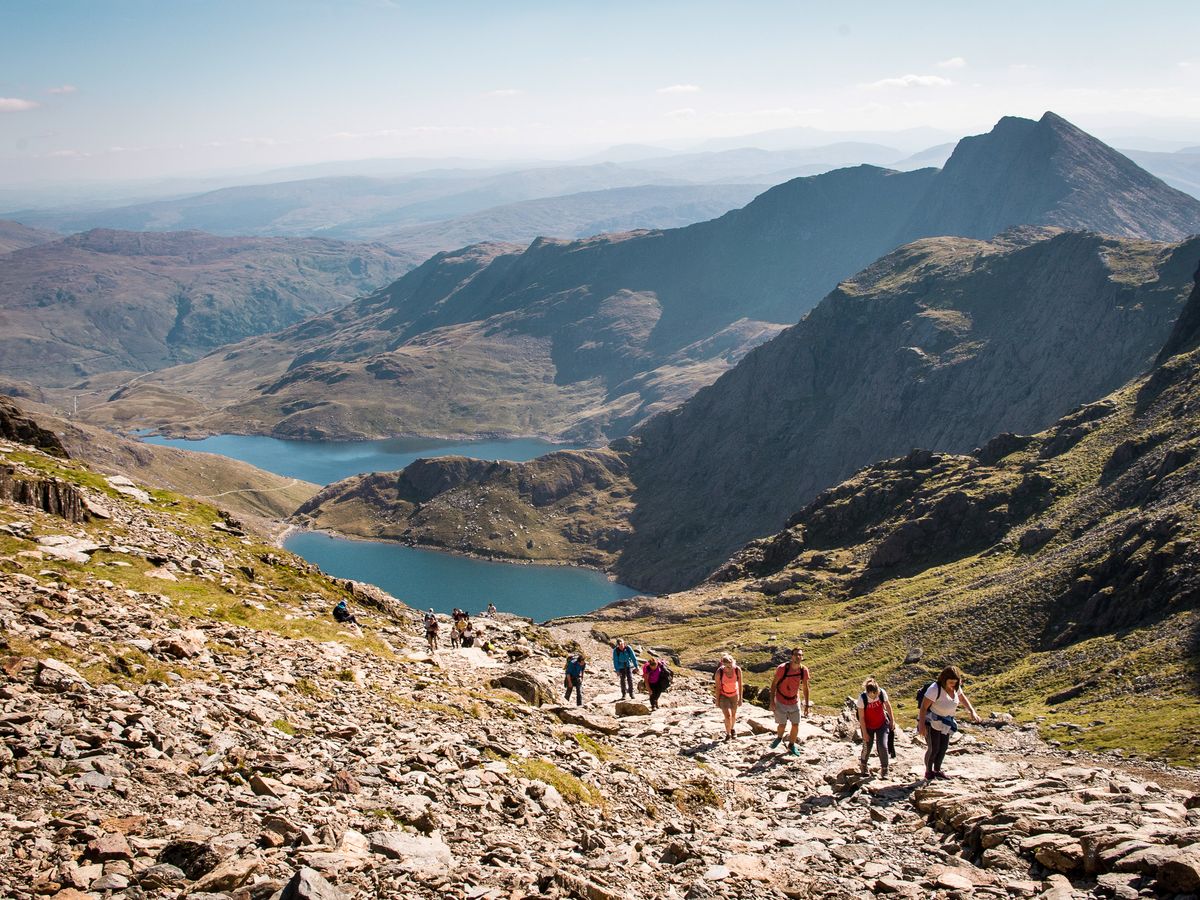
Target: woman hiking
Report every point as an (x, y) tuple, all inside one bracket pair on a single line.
[(936, 720), (875, 718), (625, 663), (654, 673), (727, 692), (790, 680)]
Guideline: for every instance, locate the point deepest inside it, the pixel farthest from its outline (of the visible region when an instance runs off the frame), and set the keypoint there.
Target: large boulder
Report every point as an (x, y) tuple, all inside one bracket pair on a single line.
[(307, 884), (593, 721), (532, 688)]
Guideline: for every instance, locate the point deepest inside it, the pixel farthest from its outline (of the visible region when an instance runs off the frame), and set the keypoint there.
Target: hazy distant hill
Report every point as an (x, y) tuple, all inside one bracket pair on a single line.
[(577, 215), (588, 338), (1180, 169), (14, 236), (112, 300)]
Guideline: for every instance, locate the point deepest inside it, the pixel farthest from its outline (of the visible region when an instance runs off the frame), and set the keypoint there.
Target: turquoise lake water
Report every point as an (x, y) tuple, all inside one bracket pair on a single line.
[(324, 462), (424, 578), (421, 578)]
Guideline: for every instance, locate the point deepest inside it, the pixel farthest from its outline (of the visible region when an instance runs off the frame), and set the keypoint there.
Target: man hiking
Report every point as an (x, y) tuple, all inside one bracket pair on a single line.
[(875, 721), (625, 661), (790, 680), (573, 676), (431, 629)]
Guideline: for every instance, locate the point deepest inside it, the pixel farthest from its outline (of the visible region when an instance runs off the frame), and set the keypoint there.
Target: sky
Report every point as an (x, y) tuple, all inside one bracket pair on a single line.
[(109, 90)]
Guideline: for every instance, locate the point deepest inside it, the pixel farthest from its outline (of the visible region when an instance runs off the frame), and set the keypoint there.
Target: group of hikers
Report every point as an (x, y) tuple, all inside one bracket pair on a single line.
[(789, 700), (463, 632), (654, 674)]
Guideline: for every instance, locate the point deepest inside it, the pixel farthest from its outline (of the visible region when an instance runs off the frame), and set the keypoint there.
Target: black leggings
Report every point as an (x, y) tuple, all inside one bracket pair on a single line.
[(936, 743), (575, 683), (655, 692)]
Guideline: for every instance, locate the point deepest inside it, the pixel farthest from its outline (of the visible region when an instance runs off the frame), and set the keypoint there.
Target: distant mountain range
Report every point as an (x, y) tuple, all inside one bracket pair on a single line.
[(589, 338), (110, 300), (14, 236)]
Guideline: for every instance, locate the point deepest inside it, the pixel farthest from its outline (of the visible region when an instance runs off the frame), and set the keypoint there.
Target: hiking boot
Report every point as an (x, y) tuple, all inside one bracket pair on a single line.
[(775, 743), (793, 749), (883, 772), (928, 775), (864, 769), (940, 775)]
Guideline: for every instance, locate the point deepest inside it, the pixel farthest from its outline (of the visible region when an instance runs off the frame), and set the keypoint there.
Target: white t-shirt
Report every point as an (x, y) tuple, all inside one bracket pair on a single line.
[(944, 703)]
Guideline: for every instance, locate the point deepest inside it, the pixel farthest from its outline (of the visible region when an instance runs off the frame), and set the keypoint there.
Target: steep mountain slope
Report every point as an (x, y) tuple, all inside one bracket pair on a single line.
[(1062, 567), (940, 344), (586, 339), (15, 236), (112, 300), (1067, 178)]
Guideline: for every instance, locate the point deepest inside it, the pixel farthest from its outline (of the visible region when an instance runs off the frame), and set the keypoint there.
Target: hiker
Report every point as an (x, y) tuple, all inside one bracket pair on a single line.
[(458, 630), (468, 634), (727, 692), (875, 722), (657, 677), (625, 662), (491, 610), (790, 679), (342, 614), (431, 629), (485, 643), (935, 723), (573, 676)]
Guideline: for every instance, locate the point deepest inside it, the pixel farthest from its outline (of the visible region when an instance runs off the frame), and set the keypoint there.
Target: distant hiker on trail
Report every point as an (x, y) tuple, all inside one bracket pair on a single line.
[(431, 629), (491, 610), (939, 701), (657, 677), (462, 623), (790, 679), (468, 634), (625, 663), (875, 721), (727, 692), (342, 614), (573, 677)]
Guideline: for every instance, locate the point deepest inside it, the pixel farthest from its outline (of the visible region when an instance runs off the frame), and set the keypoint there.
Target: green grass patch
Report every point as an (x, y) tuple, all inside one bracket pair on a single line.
[(593, 746), (285, 726), (572, 789)]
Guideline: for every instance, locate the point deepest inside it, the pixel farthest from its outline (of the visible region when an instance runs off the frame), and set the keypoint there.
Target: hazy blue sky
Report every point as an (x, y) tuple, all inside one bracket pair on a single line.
[(130, 88)]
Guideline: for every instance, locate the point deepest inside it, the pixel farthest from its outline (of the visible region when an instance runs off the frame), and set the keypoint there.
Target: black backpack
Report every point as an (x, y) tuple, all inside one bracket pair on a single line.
[(665, 676), (921, 696)]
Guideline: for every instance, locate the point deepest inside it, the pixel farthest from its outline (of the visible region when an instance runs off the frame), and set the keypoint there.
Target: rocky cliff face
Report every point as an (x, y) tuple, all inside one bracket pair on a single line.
[(114, 300), (589, 338)]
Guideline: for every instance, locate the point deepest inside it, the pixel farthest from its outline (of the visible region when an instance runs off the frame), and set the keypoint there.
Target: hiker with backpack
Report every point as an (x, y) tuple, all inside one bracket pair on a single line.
[(342, 614), (625, 662), (573, 676), (431, 629), (727, 692), (657, 677), (875, 722), (937, 703), (791, 679)]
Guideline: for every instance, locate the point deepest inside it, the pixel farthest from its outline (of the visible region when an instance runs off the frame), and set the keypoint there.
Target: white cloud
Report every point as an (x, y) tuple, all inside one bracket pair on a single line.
[(68, 154), (15, 104), (679, 89), (62, 89), (910, 81), (954, 62), (504, 92), (682, 114)]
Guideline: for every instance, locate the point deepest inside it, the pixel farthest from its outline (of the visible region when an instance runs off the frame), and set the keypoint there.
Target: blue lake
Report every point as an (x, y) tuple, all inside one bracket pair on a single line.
[(424, 578), (421, 578), (324, 462)]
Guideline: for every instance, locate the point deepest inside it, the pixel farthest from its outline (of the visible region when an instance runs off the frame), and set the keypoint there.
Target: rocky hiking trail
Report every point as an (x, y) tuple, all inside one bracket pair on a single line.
[(155, 744)]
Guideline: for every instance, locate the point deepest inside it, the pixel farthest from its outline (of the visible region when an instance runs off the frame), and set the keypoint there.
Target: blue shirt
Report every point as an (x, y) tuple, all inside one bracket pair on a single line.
[(624, 659)]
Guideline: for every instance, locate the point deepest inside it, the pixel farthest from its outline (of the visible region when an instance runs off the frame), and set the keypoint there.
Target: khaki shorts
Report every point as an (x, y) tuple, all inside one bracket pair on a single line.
[(727, 702), (787, 714)]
